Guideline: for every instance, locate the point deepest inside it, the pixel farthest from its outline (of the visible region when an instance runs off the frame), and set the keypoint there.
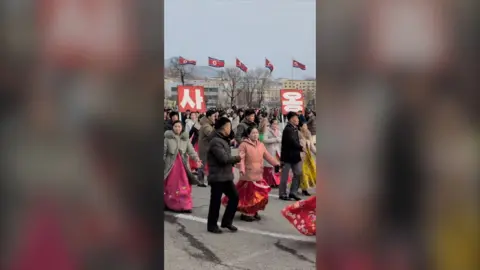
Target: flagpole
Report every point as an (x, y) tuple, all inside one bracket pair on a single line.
[(292, 67)]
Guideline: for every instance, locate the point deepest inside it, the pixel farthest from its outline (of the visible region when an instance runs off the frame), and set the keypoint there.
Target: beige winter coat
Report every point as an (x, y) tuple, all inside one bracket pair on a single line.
[(174, 144)]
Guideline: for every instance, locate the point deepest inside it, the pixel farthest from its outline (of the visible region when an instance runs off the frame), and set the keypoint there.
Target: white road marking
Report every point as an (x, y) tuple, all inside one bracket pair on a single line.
[(299, 238)]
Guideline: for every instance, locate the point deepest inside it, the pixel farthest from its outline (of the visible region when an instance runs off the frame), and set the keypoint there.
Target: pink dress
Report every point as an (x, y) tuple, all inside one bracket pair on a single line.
[(177, 189)]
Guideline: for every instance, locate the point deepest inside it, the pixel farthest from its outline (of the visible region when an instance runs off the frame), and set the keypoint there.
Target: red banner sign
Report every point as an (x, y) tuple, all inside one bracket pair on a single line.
[(292, 100), (191, 98)]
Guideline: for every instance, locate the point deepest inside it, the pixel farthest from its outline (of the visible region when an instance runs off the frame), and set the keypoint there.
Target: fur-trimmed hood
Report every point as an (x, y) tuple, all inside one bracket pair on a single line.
[(170, 135)]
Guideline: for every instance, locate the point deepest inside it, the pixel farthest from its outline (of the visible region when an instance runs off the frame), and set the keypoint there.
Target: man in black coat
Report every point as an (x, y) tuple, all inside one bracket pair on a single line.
[(220, 177), (290, 158)]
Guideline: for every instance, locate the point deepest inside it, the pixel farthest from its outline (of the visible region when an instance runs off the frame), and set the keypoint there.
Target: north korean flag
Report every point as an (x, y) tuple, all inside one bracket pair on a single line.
[(241, 66), (213, 62), (299, 65), (268, 64), (183, 61)]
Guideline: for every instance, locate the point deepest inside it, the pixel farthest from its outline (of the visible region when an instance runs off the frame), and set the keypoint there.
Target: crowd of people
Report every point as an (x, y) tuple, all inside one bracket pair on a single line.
[(274, 151)]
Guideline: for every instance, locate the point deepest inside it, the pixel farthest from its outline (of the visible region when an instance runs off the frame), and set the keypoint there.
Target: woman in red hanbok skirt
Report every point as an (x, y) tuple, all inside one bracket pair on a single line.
[(252, 188), (302, 215), (177, 175)]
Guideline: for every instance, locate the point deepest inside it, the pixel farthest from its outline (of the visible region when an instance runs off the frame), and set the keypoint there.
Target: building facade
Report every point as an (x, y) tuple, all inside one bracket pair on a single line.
[(305, 85)]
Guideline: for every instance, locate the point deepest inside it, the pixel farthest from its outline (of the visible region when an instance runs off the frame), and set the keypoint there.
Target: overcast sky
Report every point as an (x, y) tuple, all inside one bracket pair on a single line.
[(248, 29)]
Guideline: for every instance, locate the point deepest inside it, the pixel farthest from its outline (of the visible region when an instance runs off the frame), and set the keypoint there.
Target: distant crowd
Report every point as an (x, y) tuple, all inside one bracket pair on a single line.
[(236, 116)]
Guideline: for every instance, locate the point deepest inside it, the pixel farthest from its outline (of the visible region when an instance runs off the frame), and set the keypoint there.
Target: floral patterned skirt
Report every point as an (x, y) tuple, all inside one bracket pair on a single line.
[(302, 215)]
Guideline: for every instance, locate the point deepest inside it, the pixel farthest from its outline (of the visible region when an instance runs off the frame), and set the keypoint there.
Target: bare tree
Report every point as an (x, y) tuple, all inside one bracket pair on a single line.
[(264, 83), (234, 83), (250, 85), (256, 81), (183, 72)]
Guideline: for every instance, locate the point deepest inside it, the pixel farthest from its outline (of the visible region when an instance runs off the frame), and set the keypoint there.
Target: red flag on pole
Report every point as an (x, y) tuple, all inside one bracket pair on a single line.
[(214, 62), (268, 65), (183, 61), (241, 66), (299, 65)]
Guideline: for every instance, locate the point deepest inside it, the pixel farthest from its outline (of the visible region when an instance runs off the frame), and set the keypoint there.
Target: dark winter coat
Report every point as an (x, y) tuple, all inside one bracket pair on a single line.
[(220, 160), (291, 148)]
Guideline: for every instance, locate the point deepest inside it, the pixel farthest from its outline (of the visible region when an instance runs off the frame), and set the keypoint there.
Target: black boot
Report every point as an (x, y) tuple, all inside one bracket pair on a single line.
[(294, 196), (306, 193), (230, 227), (247, 218), (215, 230)]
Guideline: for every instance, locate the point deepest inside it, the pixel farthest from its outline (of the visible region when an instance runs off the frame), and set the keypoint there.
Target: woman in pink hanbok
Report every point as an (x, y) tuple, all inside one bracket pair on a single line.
[(178, 178)]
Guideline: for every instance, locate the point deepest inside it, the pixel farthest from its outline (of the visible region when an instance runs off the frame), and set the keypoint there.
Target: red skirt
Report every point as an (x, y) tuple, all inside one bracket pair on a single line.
[(191, 162), (272, 178), (302, 215), (253, 196), (177, 189)]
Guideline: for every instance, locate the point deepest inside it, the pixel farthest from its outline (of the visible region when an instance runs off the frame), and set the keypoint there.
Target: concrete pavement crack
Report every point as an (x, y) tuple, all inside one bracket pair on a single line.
[(292, 251), (234, 267), (206, 253)]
